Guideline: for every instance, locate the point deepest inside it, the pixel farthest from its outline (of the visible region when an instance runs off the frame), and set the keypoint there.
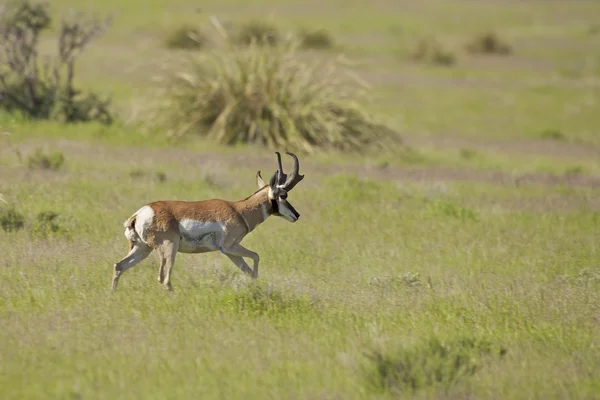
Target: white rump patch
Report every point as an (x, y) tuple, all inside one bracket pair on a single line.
[(144, 218)]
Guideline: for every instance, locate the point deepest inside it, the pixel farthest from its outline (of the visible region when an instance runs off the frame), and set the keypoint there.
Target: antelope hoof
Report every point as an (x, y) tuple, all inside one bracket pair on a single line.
[(115, 280)]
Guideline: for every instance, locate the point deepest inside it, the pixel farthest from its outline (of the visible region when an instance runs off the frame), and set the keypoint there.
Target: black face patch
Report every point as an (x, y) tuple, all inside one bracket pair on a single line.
[(274, 206)]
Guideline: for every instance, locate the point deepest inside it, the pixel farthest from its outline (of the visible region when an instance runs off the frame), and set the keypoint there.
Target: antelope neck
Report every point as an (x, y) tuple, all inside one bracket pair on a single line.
[(254, 210)]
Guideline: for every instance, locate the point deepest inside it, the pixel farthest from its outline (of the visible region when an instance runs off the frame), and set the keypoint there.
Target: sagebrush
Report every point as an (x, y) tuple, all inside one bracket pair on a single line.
[(44, 87)]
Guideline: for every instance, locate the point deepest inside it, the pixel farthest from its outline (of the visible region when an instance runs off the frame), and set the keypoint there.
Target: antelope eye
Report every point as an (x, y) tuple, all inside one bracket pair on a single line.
[(283, 196)]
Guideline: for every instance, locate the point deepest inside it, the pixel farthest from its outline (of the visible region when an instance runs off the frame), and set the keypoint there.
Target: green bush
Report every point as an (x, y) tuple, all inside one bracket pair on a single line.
[(44, 89), (488, 43), (553, 134), (40, 160), (266, 96), (449, 209), (431, 51), (186, 37), (266, 301), (258, 31), (316, 39), (10, 219), (432, 364), (46, 224)]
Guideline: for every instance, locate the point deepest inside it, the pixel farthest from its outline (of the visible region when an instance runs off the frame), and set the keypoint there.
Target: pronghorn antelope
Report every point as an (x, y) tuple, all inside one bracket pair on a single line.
[(204, 226)]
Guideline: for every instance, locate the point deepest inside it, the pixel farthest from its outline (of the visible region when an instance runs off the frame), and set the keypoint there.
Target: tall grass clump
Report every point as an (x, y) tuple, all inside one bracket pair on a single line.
[(266, 96), (50, 161), (11, 220), (432, 365)]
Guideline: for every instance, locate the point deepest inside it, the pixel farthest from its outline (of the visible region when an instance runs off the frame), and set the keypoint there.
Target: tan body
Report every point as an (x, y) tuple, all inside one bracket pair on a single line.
[(170, 227)]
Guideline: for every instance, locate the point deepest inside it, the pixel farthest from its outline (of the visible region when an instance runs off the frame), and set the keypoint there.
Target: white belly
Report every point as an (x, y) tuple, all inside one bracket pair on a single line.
[(200, 237)]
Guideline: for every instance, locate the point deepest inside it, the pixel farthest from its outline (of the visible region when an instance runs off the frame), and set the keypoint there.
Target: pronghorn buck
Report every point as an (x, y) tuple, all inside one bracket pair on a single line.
[(204, 226)]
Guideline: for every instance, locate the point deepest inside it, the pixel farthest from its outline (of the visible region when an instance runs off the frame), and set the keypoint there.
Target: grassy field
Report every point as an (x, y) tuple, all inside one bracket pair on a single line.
[(465, 269)]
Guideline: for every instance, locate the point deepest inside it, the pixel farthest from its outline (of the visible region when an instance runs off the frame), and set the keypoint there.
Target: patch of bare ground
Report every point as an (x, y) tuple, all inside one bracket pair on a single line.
[(198, 161), (554, 202), (533, 147)]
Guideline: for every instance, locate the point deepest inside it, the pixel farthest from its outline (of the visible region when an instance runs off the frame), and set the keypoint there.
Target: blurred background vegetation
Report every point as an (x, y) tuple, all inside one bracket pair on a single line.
[(449, 241)]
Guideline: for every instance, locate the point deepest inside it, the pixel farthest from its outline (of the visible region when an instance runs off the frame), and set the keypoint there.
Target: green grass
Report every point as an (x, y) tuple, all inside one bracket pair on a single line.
[(370, 266), (409, 284)]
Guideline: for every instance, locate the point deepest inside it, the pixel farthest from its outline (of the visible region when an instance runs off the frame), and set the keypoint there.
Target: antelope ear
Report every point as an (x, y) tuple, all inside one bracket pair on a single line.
[(259, 181)]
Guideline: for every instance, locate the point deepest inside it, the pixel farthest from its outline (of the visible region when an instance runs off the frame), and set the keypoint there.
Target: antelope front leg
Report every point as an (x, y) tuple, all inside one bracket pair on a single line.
[(237, 250), (239, 261)]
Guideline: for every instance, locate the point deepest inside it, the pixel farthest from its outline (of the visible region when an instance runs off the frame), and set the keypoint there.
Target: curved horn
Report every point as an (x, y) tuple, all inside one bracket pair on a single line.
[(295, 177), (281, 176)]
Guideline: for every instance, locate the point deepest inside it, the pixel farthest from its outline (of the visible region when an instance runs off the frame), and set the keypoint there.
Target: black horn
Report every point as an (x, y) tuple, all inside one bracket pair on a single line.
[(281, 176), (295, 176)]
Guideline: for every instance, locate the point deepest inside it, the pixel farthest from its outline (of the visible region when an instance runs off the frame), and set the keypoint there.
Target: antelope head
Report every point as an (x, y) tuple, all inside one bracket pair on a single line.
[(279, 187)]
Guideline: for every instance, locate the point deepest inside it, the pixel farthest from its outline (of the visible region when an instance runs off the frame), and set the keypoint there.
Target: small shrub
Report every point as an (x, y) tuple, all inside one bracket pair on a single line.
[(267, 96), (259, 31), (186, 37), (574, 171), (45, 89), (11, 220), (316, 39), (46, 224), (161, 177), (433, 364), (265, 300), (448, 209), (430, 51), (468, 154), (488, 43), (137, 173), (40, 160), (553, 134)]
